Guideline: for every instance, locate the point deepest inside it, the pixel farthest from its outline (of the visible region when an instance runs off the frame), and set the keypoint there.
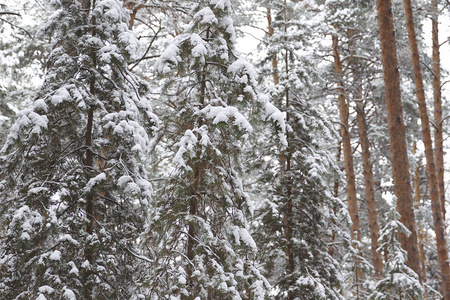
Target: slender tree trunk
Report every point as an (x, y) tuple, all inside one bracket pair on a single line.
[(439, 227), (347, 149), (276, 78), (89, 164), (288, 216), (372, 211), (193, 200), (335, 194), (438, 138), (397, 136), (417, 198)]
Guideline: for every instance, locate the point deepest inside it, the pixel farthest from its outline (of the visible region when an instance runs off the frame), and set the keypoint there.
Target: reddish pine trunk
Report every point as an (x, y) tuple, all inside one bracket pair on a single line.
[(439, 227), (397, 136), (438, 138), (348, 156), (372, 211)]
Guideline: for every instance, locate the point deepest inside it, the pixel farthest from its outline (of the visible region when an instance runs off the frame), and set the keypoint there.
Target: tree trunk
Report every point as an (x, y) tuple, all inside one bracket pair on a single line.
[(89, 164), (372, 211), (397, 136), (438, 138), (439, 227), (417, 198), (335, 194), (276, 78), (347, 149)]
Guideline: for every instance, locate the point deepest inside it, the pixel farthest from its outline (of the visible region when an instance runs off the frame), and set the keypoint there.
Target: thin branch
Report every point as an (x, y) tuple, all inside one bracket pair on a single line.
[(9, 13)]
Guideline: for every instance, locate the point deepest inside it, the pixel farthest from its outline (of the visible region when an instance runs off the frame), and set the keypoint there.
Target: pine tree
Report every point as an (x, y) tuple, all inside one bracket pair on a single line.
[(397, 135), (199, 236), (294, 217), (433, 182), (73, 187), (401, 282)]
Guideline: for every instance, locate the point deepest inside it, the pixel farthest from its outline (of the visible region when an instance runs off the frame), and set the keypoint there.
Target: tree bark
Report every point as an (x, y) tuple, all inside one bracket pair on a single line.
[(417, 198), (372, 211), (397, 136), (276, 78), (90, 200), (438, 133), (347, 149), (439, 227)]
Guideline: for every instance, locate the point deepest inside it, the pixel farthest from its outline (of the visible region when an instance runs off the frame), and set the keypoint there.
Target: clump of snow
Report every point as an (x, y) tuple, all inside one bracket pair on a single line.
[(222, 4), (185, 145), (56, 255), (224, 114), (69, 294), (131, 42), (94, 181), (73, 270), (247, 238), (46, 289), (243, 71), (60, 95), (170, 56), (68, 238), (206, 16), (199, 46)]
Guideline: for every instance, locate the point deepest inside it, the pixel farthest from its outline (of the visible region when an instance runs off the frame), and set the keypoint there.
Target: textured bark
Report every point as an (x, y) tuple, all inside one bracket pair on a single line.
[(439, 227), (347, 149), (417, 199), (372, 211), (438, 138), (397, 137), (89, 164), (276, 78)]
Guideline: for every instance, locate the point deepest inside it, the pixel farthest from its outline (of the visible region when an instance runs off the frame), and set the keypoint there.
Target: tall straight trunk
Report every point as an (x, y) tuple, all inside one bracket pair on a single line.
[(372, 211), (193, 200), (335, 194), (89, 254), (276, 78), (439, 227), (438, 138), (397, 136), (288, 215), (347, 149), (417, 198)]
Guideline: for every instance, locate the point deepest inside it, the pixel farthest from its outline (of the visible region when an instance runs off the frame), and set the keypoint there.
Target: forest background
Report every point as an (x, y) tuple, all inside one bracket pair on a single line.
[(224, 149)]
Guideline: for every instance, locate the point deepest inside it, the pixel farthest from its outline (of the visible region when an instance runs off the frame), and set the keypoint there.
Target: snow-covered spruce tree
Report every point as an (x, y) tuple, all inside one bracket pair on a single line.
[(400, 282), (199, 233), (73, 188), (295, 218)]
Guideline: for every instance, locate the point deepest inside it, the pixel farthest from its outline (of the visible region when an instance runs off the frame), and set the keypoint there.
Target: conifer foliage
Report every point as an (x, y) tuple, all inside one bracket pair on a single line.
[(73, 186), (293, 218), (401, 282), (199, 230)]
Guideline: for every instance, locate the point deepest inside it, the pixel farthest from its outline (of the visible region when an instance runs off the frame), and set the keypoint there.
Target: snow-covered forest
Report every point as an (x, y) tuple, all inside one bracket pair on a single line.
[(223, 149)]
